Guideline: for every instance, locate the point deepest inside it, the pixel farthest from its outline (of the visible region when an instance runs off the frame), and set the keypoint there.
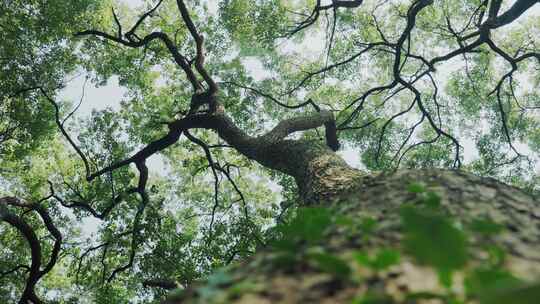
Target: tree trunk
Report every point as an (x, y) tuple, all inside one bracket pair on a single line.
[(324, 179), (327, 178)]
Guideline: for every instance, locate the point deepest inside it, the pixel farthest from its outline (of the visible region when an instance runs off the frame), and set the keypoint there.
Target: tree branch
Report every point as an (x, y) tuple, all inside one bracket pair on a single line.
[(35, 271), (199, 42)]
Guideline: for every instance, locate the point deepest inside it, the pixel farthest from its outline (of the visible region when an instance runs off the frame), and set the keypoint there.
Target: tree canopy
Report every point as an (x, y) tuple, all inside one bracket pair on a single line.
[(224, 97)]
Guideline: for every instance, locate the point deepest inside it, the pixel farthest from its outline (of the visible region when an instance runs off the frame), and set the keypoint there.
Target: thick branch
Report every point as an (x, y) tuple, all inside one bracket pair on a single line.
[(199, 41), (289, 126), (514, 12), (35, 249), (234, 136)]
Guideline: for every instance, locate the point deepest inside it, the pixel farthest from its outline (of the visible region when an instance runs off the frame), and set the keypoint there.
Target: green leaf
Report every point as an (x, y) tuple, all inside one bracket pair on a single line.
[(283, 244), (445, 277), (527, 294), (485, 226), (344, 221), (309, 224), (486, 280), (331, 264), (496, 255), (432, 239), (373, 299), (432, 200), (383, 259), (416, 188), (386, 258), (367, 225), (285, 259)]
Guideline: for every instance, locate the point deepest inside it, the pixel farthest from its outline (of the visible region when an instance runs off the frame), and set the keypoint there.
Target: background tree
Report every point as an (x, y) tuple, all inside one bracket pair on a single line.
[(235, 93)]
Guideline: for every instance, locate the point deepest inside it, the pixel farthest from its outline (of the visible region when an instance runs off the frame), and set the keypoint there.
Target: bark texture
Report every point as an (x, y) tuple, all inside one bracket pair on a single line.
[(321, 174), (467, 197)]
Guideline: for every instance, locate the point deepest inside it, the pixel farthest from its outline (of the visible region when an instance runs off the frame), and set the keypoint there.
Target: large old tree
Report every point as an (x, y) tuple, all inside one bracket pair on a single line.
[(221, 175)]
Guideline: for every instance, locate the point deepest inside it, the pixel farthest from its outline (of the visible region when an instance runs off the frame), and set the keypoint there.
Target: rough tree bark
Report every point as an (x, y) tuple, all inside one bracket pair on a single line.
[(324, 178)]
